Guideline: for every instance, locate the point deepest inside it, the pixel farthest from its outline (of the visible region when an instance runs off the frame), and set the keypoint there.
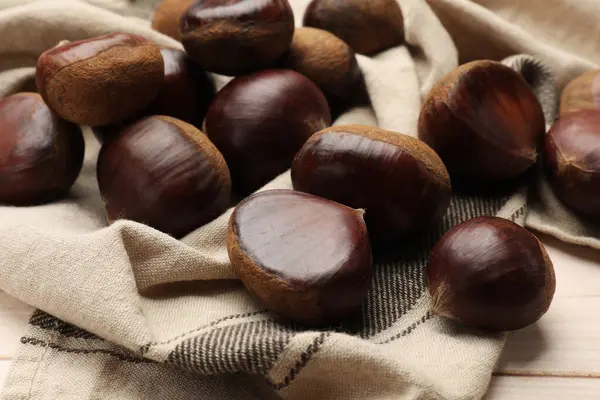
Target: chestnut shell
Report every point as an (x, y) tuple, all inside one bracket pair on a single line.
[(367, 26), (236, 37), (304, 257), (186, 92), (164, 173), (492, 274), (100, 81), (41, 155), (484, 121), (260, 121), (572, 160), (582, 93), (400, 181), (167, 16)]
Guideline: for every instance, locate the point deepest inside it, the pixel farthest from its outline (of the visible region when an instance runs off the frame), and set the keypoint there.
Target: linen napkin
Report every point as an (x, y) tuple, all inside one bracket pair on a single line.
[(126, 312)]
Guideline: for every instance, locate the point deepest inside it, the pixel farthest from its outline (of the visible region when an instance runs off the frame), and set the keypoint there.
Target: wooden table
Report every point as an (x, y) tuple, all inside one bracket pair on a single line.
[(557, 358)]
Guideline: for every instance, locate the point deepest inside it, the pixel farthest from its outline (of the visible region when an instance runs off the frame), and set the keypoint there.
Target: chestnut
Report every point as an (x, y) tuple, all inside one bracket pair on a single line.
[(186, 92), (167, 17), (400, 181), (329, 63), (368, 27), (572, 160), (484, 121), (304, 257), (490, 273), (259, 122), (582, 93), (41, 155), (164, 173), (236, 37), (100, 81)]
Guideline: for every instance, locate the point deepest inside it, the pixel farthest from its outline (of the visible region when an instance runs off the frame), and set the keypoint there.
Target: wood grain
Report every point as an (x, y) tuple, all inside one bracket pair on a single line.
[(528, 388)]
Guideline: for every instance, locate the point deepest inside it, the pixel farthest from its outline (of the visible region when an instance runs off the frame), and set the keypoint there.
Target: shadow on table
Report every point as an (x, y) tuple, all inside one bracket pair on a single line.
[(532, 342)]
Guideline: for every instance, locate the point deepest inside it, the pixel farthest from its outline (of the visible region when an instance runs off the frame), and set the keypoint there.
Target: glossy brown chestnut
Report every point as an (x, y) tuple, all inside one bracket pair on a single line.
[(235, 37), (167, 17), (326, 60), (260, 121), (367, 26), (304, 257), (490, 273), (186, 92), (484, 121), (100, 81), (399, 180), (164, 173), (582, 93), (40, 154), (572, 160)]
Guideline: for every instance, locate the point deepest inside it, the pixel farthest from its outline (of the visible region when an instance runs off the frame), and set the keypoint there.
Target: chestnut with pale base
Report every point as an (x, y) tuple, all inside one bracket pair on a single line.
[(367, 26), (582, 93), (164, 173), (399, 180), (492, 274), (100, 81), (484, 121), (236, 37), (572, 160), (330, 63), (304, 257), (167, 17)]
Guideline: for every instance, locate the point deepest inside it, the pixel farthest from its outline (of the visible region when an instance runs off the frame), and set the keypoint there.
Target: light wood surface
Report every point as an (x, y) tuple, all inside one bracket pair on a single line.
[(556, 358)]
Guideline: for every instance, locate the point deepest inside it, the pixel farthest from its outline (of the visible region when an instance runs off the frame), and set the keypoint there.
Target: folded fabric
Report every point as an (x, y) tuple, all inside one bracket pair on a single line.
[(126, 312)]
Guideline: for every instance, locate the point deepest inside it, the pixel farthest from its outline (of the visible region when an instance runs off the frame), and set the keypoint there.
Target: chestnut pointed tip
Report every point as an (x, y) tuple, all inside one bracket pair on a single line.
[(490, 273), (484, 121)]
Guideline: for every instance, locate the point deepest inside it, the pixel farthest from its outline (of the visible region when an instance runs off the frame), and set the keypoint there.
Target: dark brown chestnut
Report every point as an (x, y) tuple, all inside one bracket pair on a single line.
[(327, 60), (484, 121), (100, 81), (492, 274), (572, 160), (167, 16), (260, 121), (368, 27), (400, 181), (41, 155), (235, 37), (582, 93), (164, 173), (186, 92), (304, 257)]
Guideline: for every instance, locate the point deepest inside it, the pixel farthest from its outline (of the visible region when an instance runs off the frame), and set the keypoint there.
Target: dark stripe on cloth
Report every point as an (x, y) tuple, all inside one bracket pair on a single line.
[(48, 322), (121, 356)]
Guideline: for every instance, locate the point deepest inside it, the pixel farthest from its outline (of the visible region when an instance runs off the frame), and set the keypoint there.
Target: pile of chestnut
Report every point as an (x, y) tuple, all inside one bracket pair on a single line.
[(175, 154)]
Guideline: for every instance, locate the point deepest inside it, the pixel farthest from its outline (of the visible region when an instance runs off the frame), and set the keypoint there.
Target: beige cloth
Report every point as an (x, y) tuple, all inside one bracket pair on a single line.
[(140, 298)]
